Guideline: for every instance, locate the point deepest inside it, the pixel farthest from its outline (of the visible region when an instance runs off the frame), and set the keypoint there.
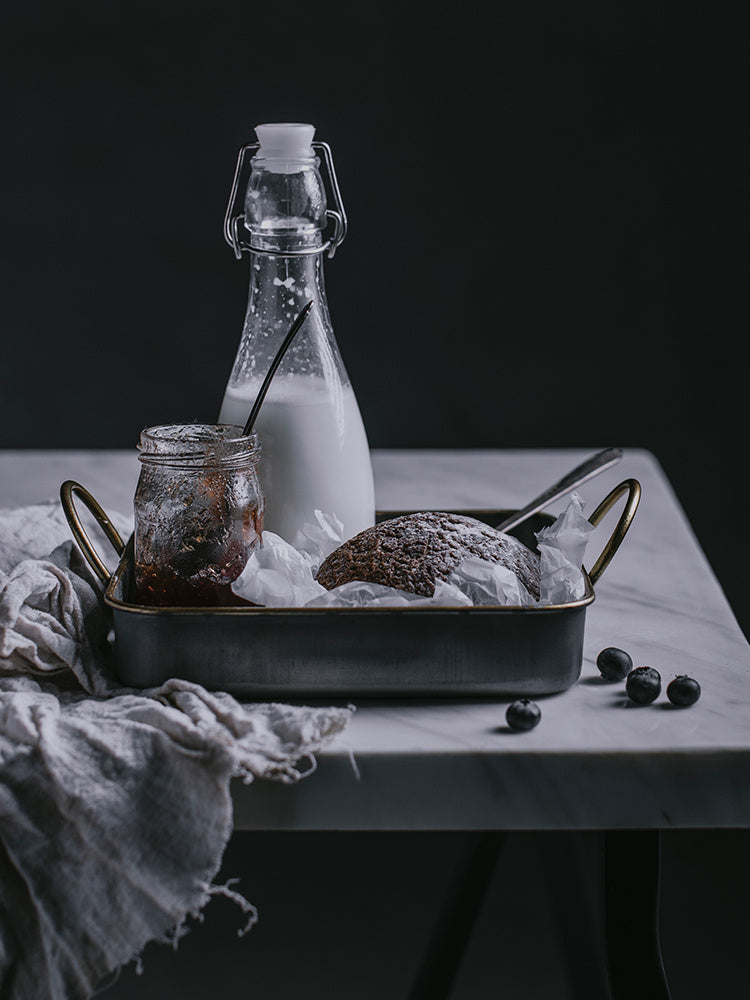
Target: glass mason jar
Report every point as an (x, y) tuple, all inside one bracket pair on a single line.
[(198, 514)]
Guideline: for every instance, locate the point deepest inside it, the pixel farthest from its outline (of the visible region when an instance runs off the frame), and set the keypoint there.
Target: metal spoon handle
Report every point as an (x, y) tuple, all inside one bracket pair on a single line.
[(587, 470), (272, 370)]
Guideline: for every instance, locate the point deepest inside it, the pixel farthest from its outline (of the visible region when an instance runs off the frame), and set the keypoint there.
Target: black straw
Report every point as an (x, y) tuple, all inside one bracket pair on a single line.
[(274, 365)]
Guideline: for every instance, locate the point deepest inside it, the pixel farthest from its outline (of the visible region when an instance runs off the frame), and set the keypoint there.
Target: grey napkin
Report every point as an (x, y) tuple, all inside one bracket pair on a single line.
[(115, 806)]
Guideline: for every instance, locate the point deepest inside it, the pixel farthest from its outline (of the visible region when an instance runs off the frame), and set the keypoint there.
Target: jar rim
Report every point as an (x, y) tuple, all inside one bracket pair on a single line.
[(197, 444)]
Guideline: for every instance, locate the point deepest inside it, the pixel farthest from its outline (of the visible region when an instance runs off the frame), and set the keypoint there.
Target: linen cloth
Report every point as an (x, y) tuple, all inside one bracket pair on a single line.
[(115, 806)]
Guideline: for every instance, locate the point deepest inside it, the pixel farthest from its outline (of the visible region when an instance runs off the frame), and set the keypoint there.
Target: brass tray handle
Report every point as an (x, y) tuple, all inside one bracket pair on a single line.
[(70, 488), (633, 488), (67, 491)]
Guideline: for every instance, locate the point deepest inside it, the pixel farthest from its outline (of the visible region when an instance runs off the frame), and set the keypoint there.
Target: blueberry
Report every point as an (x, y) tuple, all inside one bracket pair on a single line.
[(614, 663), (643, 685), (523, 714), (683, 691)]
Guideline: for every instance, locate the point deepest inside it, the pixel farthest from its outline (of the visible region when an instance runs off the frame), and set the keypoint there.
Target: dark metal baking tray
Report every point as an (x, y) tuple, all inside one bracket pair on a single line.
[(292, 653)]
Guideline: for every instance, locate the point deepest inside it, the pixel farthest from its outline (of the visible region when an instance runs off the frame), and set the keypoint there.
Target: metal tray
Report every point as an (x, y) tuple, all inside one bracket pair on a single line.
[(283, 653)]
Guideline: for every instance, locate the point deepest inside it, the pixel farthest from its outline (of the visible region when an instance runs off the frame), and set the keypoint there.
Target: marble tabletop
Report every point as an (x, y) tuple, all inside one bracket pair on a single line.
[(595, 761)]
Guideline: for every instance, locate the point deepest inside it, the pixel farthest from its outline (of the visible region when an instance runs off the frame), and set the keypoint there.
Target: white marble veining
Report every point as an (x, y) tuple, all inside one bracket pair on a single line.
[(595, 760)]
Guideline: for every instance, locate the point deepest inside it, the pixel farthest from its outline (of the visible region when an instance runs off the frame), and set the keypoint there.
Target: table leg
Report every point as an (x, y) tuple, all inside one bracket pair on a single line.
[(632, 866), (570, 861), (456, 920)]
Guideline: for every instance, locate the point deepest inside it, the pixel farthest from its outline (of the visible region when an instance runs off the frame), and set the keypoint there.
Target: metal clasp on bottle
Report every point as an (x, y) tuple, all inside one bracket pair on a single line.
[(234, 223)]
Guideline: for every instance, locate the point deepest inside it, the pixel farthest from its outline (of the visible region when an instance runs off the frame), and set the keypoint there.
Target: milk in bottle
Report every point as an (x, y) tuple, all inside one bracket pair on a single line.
[(314, 446)]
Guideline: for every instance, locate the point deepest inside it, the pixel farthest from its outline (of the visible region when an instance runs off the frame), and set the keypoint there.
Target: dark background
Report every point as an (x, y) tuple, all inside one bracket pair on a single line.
[(544, 245), (543, 200)]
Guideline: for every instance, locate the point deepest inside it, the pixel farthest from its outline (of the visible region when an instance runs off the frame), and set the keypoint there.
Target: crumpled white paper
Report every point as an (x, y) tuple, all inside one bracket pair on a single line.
[(485, 582), (320, 539), (562, 546), (282, 575), (360, 594)]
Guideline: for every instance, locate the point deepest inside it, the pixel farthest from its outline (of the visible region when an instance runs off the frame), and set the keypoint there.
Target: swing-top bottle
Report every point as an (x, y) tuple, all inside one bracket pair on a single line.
[(314, 450)]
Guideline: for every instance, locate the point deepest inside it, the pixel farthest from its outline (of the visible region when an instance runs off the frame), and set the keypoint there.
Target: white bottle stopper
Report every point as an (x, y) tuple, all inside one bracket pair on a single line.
[(285, 140)]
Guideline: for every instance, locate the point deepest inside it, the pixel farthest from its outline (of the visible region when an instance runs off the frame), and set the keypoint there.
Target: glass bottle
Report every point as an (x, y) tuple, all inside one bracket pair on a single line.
[(315, 450), (198, 514)]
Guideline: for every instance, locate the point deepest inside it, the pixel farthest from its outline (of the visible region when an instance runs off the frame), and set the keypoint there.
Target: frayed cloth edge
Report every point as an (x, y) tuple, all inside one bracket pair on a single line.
[(174, 935)]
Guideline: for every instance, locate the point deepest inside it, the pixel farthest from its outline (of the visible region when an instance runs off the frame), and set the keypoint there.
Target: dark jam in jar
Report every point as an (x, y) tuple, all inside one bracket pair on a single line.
[(198, 514)]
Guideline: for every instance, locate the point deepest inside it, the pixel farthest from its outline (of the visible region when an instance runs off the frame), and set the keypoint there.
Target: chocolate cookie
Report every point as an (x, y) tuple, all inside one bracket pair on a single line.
[(413, 551)]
